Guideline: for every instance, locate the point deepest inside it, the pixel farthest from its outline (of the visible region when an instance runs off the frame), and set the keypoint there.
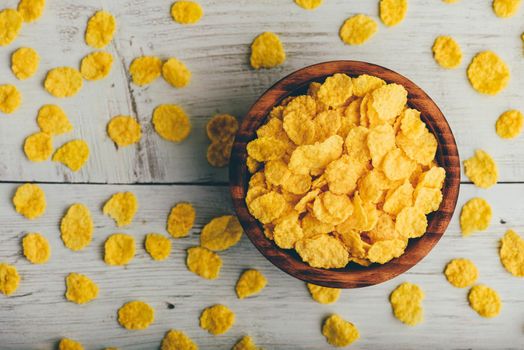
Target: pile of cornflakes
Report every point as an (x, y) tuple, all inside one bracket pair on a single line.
[(345, 173)]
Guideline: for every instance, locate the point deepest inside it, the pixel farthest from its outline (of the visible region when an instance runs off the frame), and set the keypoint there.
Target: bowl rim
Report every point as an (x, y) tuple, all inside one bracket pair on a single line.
[(349, 277)]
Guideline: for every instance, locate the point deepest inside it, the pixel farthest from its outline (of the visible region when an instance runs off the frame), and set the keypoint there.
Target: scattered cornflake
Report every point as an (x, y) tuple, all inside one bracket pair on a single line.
[(221, 128), (80, 288), (506, 8), (136, 315), (36, 248), (38, 146), (177, 340), (119, 249), (512, 253), (339, 332), (186, 12), (461, 273), (63, 82), (25, 62), (488, 73), (121, 207), (392, 12), (251, 282), (481, 169), (203, 262), (72, 154), (124, 130), (309, 4), (176, 73), (475, 216), (219, 153), (10, 98), (217, 319), (267, 51), (52, 120), (221, 233), (450, 1), (358, 29), (246, 343), (100, 29), (181, 219), (158, 246), (10, 25), (509, 124), (69, 344), (76, 227), (484, 300), (145, 69), (323, 295), (447, 52), (96, 65), (171, 122), (406, 302), (9, 279), (29, 200)]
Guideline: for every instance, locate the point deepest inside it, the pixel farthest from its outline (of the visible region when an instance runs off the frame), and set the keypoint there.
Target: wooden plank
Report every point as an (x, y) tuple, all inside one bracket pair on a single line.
[(283, 316), (217, 51)]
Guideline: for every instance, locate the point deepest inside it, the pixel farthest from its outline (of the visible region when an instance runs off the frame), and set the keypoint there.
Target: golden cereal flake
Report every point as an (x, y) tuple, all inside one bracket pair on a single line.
[(246, 343), (124, 130), (308, 159), (506, 8), (411, 222), (512, 253), (217, 319), (181, 219), (364, 84), (29, 200), (427, 199), (342, 174), (121, 207), (63, 82), (384, 230), (25, 62), (509, 124), (411, 125), (9, 279), (80, 288), (177, 340), (10, 25), (203, 262), (219, 153), (484, 300), (69, 344), (158, 246), (421, 149), (36, 248), (358, 29), (10, 98), (383, 251), (31, 10), (268, 207), (388, 101), (38, 147), (397, 166), (475, 216), (251, 282), (300, 128), (252, 165), (176, 73), (96, 65), (323, 295), (447, 52), (481, 169), (392, 12), (171, 123), (221, 128), (322, 251), (461, 273), (336, 90), (488, 73), (309, 4), (380, 141), (399, 198), (76, 227), (145, 69), (136, 315), (332, 208), (221, 233), (119, 249), (406, 302), (52, 120), (339, 332), (450, 1), (432, 178), (267, 51), (100, 29), (186, 12)]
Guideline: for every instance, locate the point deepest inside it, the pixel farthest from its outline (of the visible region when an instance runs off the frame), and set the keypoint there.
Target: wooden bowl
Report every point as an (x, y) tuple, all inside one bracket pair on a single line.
[(352, 276)]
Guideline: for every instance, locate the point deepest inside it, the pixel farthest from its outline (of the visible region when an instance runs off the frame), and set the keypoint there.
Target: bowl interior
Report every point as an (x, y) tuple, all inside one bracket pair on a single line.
[(353, 275)]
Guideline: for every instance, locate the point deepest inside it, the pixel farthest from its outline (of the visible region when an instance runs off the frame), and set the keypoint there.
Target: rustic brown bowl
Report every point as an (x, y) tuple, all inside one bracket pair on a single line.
[(352, 276)]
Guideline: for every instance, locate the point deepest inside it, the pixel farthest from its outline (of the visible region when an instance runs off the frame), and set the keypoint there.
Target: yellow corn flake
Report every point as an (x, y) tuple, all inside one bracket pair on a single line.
[(397, 166), (358, 29), (52, 120), (217, 319), (121, 207), (124, 130), (447, 52), (364, 84), (145, 69), (433, 178), (506, 8), (411, 125), (380, 141), (219, 153), (339, 332), (171, 123), (509, 124), (475, 216), (332, 208), (221, 128), (63, 82), (251, 282), (246, 343), (177, 340), (342, 174), (38, 147), (481, 169), (411, 222), (36, 248), (136, 315), (356, 144), (392, 12), (484, 300), (158, 246), (406, 302), (24, 62), (299, 128), (203, 262), (308, 159), (186, 12), (427, 199), (31, 10), (80, 288), (383, 251), (69, 344), (176, 73), (29, 200), (488, 73), (336, 90), (512, 253), (221, 233), (461, 273), (10, 25), (323, 295), (119, 249), (267, 51), (388, 101), (96, 65), (384, 229), (76, 227), (421, 149), (268, 207), (399, 198), (309, 4), (181, 219), (252, 165), (100, 30), (450, 1), (9, 279), (322, 251), (10, 98)]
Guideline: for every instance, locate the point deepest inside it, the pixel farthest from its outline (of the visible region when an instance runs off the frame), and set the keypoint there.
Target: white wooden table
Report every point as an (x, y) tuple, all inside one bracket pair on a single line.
[(283, 316)]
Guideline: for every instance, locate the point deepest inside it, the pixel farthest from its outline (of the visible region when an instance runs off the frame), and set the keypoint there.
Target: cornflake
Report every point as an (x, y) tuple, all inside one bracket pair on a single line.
[(447, 52), (358, 29), (461, 273), (29, 200), (392, 12), (158, 246), (96, 65), (177, 340), (176, 73), (10, 98), (323, 295), (119, 249), (144, 70), (475, 216), (121, 207), (512, 253), (509, 124), (322, 251), (9, 279), (52, 120), (38, 147), (136, 315), (186, 12), (481, 169), (76, 227), (267, 51), (100, 29), (31, 10), (246, 343), (484, 300), (36, 248), (221, 128), (69, 344), (203, 262), (80, 288), (10, 25), (217, 319), (24, 62), (181, 220), (171, 123), (218, 154), (406, 302), (506, 8), (339, 332), (63, 82), (221, 233), (488, 73), (124, 130), (251, 282)]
